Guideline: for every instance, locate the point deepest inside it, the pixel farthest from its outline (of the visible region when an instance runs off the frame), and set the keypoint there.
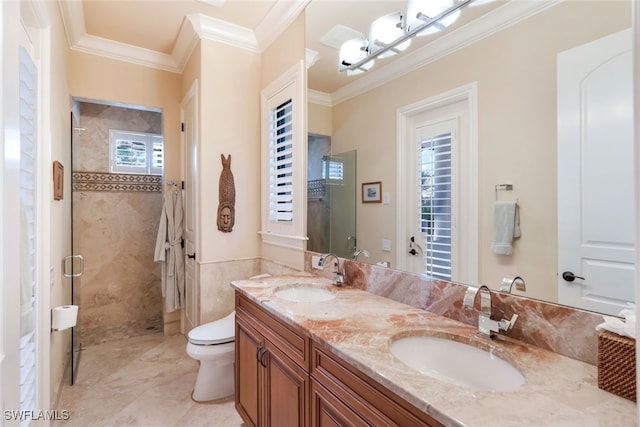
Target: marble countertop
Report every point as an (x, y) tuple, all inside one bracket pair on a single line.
[(358, 327)]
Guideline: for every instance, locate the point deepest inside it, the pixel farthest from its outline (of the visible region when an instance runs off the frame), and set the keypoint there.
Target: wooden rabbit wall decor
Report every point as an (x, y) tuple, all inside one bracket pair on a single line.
[(226, 197)]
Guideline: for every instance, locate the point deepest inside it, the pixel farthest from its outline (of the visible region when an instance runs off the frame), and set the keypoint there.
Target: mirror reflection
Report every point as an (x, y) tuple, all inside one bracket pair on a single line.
[(517, 107)]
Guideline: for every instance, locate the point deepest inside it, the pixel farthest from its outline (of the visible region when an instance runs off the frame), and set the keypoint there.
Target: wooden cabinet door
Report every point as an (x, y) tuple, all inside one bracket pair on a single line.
[(286, 390), (329, 411), (248, 370)]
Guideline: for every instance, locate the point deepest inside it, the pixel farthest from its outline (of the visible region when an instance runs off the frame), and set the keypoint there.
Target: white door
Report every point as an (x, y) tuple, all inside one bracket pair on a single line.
[(189, 145), (431, 216), (437, 186), (596, 216)]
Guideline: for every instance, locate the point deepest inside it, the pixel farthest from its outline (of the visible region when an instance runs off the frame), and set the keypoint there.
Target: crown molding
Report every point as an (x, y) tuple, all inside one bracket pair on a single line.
[(320, 98), (72, 15), (224, 32), (125, 52), (494, 21), (281, 15), (186, 42), (194, 28), (310, 57)]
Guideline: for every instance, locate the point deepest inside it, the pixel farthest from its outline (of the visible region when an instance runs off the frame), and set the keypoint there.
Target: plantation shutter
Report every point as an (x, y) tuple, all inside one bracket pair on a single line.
[(281, 163), (28, 228), (136, 152), (435, 204), (157, 155)]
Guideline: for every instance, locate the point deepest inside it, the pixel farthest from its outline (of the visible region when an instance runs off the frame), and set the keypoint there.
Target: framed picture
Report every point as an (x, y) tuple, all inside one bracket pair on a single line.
[(58, 180), (372, 192)]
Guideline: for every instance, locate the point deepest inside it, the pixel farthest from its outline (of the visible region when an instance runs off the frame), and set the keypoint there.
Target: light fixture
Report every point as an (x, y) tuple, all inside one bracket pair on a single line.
[(391, 34), (383, 32), (421, 11), (354, 52)]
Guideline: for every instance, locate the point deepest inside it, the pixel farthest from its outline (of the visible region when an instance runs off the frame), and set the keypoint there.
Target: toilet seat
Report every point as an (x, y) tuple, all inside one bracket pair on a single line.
[(219, 331)]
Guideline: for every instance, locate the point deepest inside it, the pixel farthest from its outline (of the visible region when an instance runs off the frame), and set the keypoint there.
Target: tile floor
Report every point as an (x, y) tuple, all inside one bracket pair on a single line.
[(141, 381)]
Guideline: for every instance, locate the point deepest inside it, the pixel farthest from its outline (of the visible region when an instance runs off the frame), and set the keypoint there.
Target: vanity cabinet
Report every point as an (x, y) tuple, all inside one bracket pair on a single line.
[(285, 379), (342, 396), (272, 369)]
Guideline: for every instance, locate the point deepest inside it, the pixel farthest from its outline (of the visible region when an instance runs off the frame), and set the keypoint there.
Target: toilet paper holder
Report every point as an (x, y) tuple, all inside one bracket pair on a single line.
[(64, 317)]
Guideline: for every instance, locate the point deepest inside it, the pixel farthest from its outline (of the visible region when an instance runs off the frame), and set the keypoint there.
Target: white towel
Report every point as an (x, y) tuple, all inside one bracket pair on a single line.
[(506, 227)]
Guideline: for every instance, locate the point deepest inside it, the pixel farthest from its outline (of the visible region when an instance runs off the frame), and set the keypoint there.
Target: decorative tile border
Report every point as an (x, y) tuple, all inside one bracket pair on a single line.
[(115, 182), (316, 189)]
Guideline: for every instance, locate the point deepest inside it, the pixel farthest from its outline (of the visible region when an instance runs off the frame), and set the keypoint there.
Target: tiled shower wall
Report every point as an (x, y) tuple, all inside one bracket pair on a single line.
[(115, 220), (317, 194)]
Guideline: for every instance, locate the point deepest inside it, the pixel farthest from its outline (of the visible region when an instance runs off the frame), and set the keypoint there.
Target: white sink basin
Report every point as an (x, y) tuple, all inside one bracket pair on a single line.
[(456, 363), (302, 292)]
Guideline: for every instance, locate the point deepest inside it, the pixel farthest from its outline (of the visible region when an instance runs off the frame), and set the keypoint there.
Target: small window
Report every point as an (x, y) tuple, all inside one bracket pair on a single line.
[(281, 163), (332, 169), (136, 153)]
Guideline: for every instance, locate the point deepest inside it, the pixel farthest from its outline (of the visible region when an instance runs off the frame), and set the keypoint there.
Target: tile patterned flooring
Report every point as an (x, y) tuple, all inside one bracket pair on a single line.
[(141, 381)]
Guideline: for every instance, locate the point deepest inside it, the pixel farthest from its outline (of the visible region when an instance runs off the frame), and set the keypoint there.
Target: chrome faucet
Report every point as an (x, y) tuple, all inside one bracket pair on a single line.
[(486, 325), (338, 276), (357, 253)]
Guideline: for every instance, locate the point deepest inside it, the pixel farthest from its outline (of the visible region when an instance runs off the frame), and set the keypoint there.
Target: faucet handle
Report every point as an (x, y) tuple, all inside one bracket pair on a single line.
[(507, 325), (470, 296)]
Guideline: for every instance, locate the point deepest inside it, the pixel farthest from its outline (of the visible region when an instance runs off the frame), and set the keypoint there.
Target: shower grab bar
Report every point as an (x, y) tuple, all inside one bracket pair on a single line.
[(64, 266)]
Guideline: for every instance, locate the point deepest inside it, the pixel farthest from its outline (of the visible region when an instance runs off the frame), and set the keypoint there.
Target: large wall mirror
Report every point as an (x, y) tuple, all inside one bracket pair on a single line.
[(532, 101)]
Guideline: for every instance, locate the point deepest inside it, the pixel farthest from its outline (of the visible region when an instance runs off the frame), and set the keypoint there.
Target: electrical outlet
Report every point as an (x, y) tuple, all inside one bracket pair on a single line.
[(386, 245), (315, 262)]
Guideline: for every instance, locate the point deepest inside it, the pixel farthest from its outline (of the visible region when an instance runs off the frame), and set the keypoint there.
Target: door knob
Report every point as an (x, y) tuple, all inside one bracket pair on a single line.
[(570, 277), (193, 256)]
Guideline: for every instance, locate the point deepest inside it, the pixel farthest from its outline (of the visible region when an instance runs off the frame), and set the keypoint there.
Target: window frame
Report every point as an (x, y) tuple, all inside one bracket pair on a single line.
[(291, 85), (150, 140), (464, 99)]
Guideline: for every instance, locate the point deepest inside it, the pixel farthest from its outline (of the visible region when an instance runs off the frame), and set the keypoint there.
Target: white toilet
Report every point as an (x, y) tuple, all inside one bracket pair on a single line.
[(213, 345)]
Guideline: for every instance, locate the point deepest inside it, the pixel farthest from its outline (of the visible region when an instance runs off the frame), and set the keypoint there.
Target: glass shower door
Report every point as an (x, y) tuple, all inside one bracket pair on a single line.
[(340, 175)]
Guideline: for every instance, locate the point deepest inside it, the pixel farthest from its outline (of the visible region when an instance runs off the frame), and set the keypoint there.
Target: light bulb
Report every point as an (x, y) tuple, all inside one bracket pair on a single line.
[(384, 31), (351, 52)]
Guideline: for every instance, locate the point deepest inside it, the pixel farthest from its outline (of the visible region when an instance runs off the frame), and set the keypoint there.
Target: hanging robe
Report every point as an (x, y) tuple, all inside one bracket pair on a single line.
[(169, 251)]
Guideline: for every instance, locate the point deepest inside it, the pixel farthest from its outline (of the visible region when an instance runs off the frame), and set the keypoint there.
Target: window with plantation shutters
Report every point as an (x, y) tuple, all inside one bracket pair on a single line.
[(434, 216), (136, 152), (281, 163), (283, 157)]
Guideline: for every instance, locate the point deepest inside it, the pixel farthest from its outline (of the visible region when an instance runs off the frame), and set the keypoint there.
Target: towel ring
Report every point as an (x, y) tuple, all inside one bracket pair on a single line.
[(503, 187)]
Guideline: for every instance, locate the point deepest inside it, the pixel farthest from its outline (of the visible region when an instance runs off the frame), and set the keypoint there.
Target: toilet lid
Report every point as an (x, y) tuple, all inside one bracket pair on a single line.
[(217, 332)]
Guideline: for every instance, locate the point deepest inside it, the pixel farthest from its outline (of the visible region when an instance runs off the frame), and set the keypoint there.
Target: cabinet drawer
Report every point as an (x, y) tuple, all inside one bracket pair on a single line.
[(292, 342), (364, 396)]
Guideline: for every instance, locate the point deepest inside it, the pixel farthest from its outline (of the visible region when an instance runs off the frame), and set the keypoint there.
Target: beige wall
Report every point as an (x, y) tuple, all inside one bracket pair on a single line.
[(60, 211), (515, 73), (280, 56), (229, 125), (284, 52), (228, 104), (319, 119), (104, 79)]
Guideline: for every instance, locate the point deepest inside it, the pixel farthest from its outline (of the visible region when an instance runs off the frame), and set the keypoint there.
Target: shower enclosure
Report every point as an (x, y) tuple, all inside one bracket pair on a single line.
[(331, 198)]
